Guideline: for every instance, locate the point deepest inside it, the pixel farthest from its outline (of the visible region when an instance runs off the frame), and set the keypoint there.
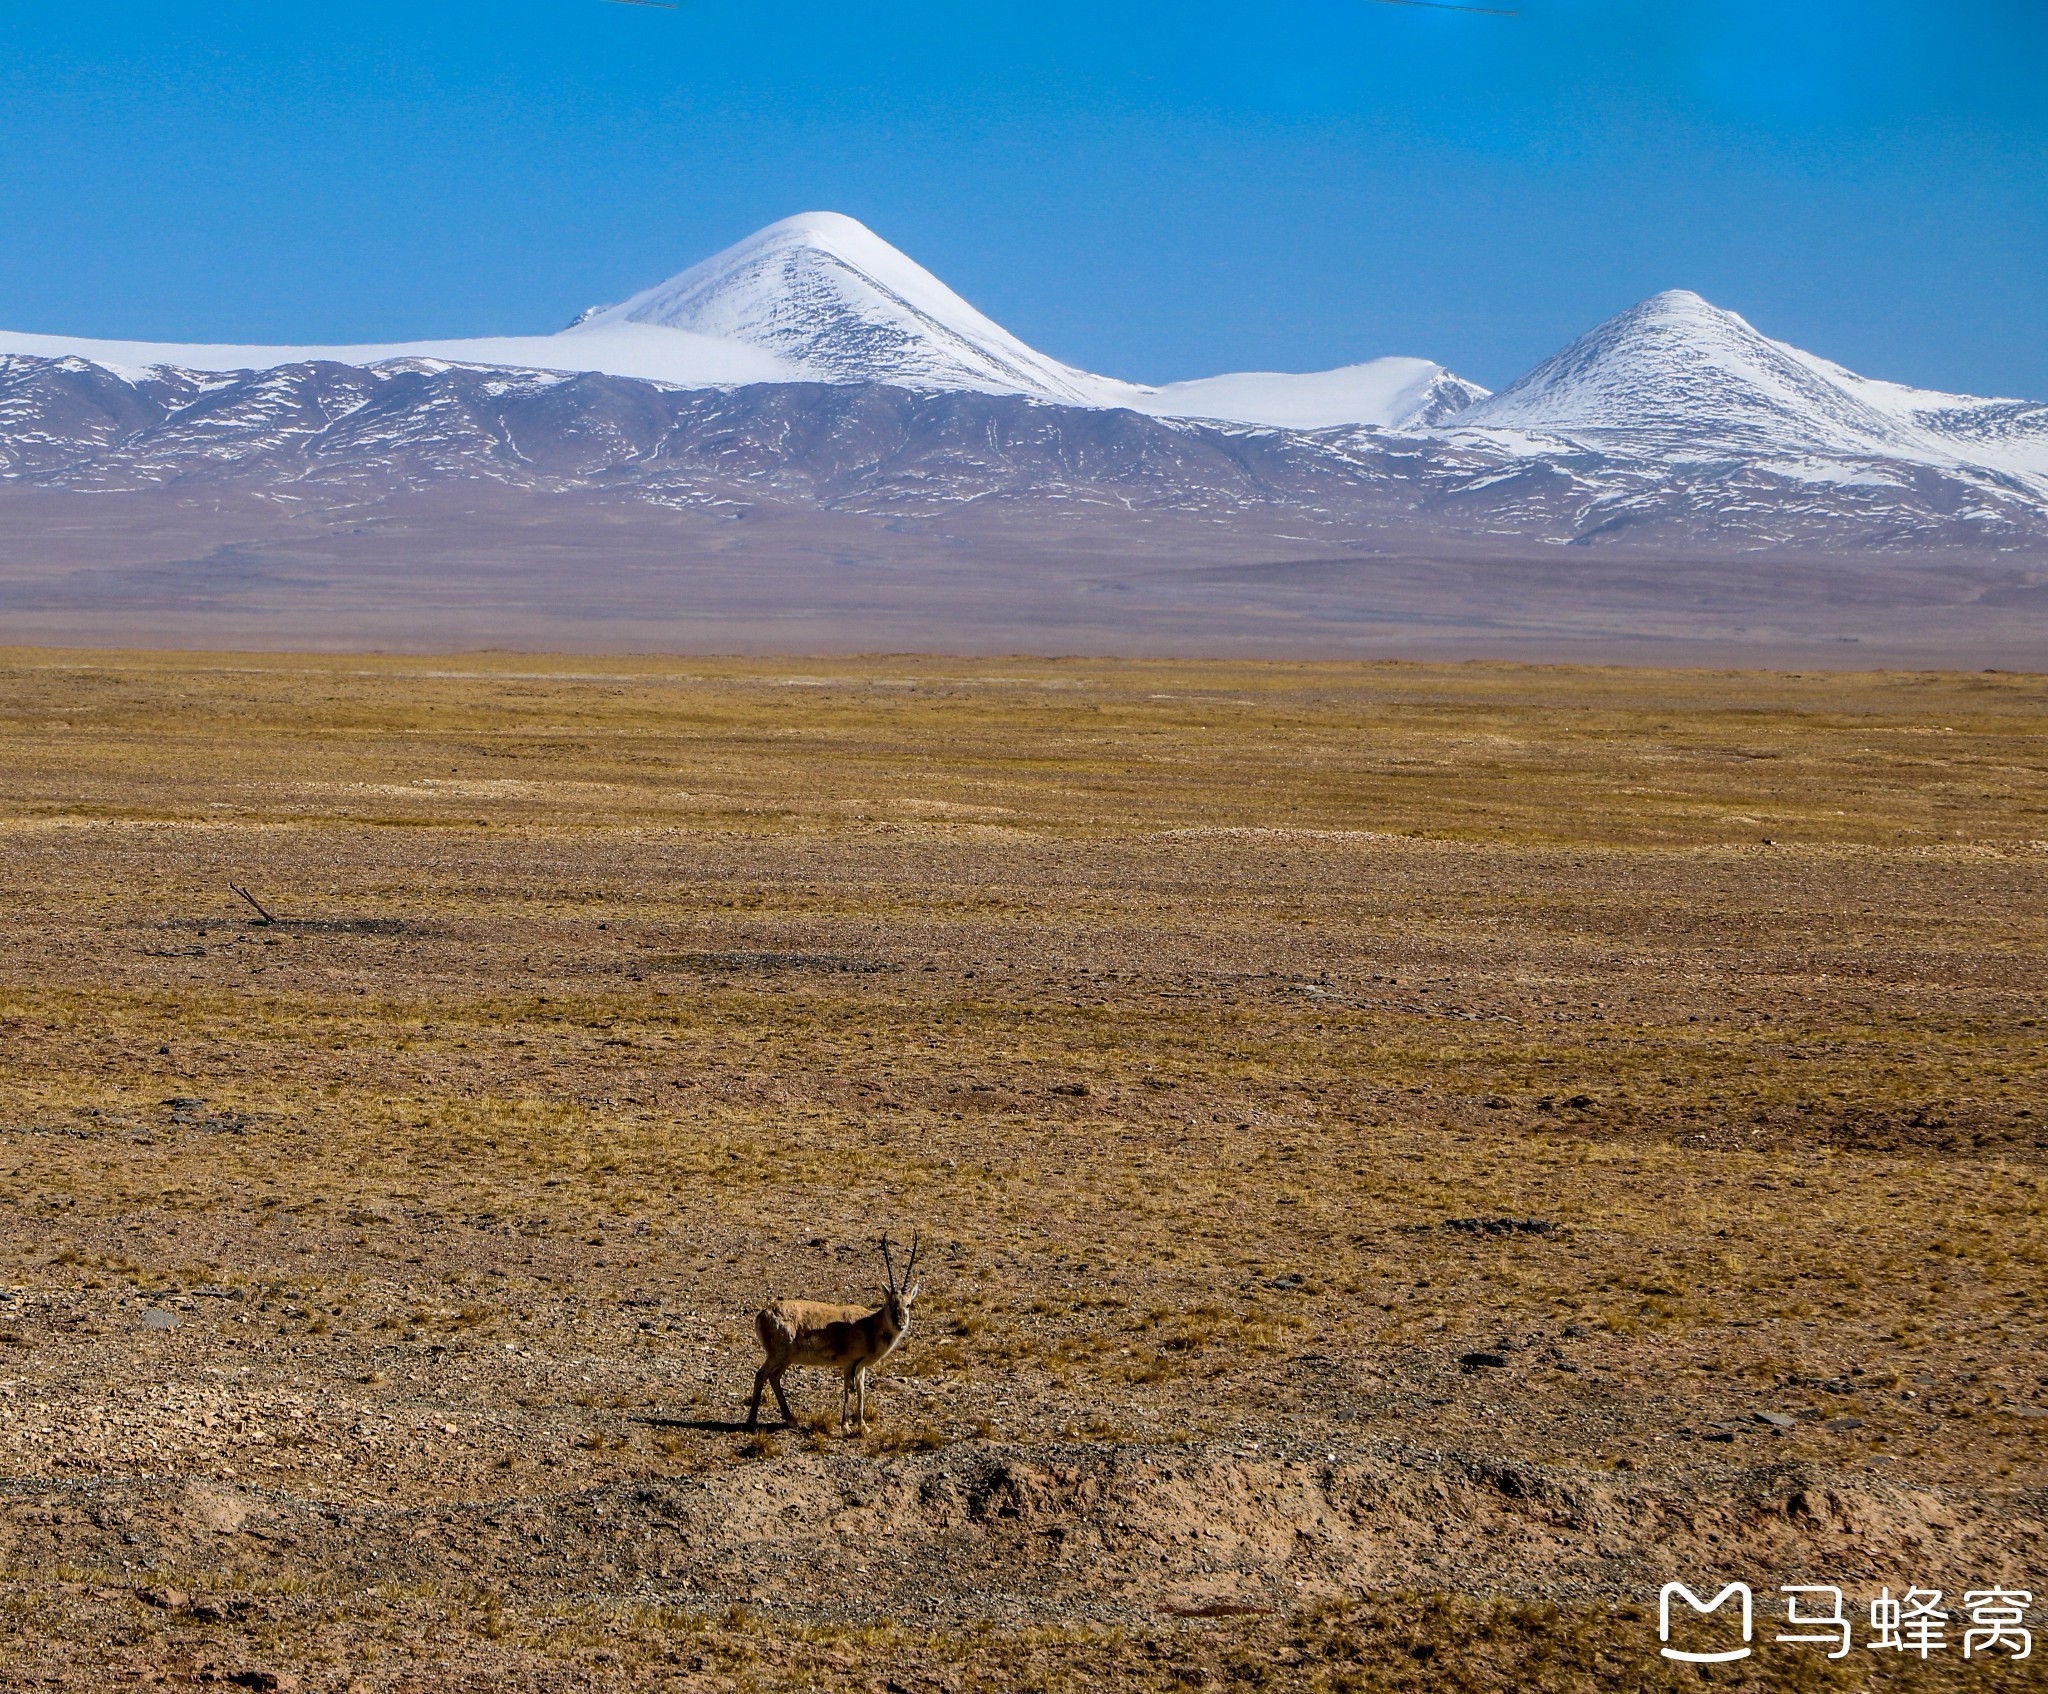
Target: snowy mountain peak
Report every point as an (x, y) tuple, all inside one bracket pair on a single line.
[(821, 298), (836, 303), (1675, 366), (1680, 301)]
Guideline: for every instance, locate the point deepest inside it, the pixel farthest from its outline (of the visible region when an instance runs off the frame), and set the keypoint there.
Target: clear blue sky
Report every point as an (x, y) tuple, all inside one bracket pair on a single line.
[(1152, 190)]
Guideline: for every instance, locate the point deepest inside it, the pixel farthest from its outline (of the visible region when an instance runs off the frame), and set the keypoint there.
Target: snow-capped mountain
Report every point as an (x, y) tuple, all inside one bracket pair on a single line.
[(1678, 376), (821, 298), (1675, 365), (834, 302), (815, 362), (338, 439)]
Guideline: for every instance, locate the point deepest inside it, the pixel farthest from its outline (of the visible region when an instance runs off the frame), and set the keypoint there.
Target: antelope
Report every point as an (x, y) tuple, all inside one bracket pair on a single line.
[(850, 1339)]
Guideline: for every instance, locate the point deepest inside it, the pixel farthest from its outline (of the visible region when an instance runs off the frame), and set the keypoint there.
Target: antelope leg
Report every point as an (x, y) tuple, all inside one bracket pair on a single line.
[(782, 1399)]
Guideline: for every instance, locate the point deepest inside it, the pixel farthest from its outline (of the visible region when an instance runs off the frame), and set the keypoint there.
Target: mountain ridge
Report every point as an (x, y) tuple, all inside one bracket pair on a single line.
[(341, 438), (819, 297), (1671, 420)]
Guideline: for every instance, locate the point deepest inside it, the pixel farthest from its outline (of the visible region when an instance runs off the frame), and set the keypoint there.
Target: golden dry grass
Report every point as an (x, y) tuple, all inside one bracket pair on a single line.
[(1210, 995)]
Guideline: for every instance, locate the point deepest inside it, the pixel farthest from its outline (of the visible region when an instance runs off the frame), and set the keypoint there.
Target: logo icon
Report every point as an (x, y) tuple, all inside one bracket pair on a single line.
[(1678, 1590)]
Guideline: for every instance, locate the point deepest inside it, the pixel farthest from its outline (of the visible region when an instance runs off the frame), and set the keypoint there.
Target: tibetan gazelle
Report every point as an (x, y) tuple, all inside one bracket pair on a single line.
[(849, 1339)]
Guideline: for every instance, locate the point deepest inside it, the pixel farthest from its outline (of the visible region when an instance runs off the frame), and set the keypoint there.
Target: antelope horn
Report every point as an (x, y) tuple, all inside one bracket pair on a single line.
[(916, 1241), (888, 1264)]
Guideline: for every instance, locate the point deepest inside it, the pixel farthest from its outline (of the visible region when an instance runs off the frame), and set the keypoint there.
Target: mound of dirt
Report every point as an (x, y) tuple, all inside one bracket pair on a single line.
[(1102, 1534)]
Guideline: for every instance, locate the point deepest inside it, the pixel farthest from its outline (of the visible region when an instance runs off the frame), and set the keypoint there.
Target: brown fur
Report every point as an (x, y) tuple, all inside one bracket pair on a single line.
[(849, 1339)]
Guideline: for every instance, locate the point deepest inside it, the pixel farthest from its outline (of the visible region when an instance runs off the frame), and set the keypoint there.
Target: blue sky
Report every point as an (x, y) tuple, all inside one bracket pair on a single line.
[(1155, 191)]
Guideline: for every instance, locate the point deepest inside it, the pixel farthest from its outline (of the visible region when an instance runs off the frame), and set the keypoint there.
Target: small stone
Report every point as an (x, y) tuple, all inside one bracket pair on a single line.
[(164, 1599), (1839, 1425), (1483, 1361), (1777, 1420), (267, 1681), (154, 1318)]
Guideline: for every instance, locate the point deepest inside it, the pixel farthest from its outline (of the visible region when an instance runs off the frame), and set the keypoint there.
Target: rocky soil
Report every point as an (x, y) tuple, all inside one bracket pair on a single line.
[(1374, 1250)]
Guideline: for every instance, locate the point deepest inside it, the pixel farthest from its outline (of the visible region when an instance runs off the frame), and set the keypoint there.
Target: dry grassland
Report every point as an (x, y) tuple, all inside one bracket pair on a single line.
[(377, 1282)]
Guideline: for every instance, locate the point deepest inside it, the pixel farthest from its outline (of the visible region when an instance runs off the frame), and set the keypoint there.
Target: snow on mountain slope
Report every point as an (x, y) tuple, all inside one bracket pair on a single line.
[(339, 433), (652, 355), (2007, 435), (1669, 389), (1675, 367), (822, 298), (1391, 393), (826, 295), (1678, 377)]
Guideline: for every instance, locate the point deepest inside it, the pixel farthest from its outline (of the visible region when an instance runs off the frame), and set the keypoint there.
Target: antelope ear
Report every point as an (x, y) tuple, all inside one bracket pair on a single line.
[(912, 1292)]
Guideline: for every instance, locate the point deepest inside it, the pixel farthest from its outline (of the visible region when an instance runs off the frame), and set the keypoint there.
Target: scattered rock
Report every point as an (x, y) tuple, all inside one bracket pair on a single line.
[(1502, 1226), (154, 1317), (164, 1599), (1483, 1361), (1838, 1425), (1290, 1280), (270, 1681), (1777, 1420)]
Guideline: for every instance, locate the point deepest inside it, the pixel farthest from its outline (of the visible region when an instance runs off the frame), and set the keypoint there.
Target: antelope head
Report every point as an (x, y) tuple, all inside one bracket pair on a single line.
[(898, 1301)]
